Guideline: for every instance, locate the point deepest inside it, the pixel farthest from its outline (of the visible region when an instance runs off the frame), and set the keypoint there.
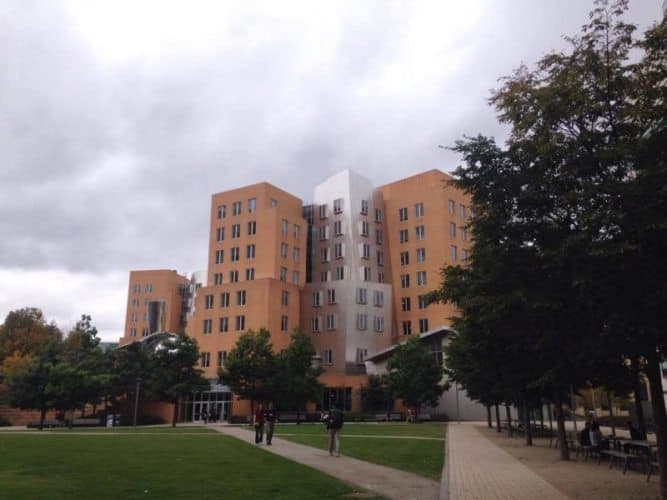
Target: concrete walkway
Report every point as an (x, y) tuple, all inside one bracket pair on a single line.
[(475, 468), (391, 483)]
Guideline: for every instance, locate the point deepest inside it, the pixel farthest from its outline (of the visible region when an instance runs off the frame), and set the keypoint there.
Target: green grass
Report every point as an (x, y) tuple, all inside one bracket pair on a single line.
[(186, 463), (420, 456)]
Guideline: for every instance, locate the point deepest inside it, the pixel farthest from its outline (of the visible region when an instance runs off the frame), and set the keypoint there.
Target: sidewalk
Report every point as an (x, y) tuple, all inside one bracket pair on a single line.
[(391, 483), (475, 468)]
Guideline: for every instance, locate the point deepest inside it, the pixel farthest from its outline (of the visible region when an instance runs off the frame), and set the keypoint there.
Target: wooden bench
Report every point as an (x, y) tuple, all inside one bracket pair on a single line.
[(618, 455)]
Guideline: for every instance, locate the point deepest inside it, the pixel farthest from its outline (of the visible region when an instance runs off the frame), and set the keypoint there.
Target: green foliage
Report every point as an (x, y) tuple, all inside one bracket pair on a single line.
[(414, 375), (375, 395), (25, 332)]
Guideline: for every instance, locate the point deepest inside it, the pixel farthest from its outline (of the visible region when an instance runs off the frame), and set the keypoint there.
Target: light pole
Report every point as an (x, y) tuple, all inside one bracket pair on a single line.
[(456, 390), (136, 401)]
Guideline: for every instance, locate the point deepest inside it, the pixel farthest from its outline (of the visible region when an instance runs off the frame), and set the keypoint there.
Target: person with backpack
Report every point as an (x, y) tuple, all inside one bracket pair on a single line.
[(334, 424)]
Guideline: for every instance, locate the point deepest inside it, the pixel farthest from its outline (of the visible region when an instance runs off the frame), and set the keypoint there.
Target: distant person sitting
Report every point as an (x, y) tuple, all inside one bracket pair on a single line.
[(634, 432), (595, 435), (585, 435)]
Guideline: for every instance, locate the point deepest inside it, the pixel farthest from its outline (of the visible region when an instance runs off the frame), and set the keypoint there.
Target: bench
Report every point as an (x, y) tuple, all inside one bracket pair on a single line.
[(87, 422), (587, 450), (424, 417), (381, 417), (47, 423), (618, 455), (651, 467), (396, 417)]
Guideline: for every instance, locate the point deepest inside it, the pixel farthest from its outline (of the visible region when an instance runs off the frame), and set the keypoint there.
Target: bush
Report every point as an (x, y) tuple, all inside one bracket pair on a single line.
[(4, 422)]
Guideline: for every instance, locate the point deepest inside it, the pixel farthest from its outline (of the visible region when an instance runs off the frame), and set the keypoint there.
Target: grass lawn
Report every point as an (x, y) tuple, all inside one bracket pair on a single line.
[(186, 463), (364, 441)]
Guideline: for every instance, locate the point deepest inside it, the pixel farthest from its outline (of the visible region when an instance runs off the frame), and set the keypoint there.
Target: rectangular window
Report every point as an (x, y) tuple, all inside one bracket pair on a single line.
[(380, 258), (296, 254), (464, 234), (273, 203), (223, 326), (362, 295), (419, 210), (338, 251), (297, 231), (403, 235), (378, 236), (361, 355), (453, 252), (405, 281), (365, 251), (283, 274), (379, 324), (327, 357), (324, 254), (315, 323), (340, 273), (324, 233), (236, 208), (252, 205), (250, 251), (452, 206), (205, 359), (283, 250), (421, 302), (378, 298), (284, 227), (133, 332), (233, 276), (378, 215), (362, 321), (224, 299), (217, 278), (222, 211), (284, 298), (252, 227), (338, 227), (423, 325), (235, 254), (149, 287), (296, 277), (283, 323), (419, 232), (364, 207), (324, 276), (331, 296), (405, 304), (240, 323), (208, 302), (421, 254), (464, 255), (222, 356), (144, 332), (331, 321), (462, 211), (407, 327), (137, 287), (240, 297), (323, 211), (367, 273), (380, 277), (220, 234), (365, 228), (452, 229), (338, 205), (421, 278), (405, 258), (206, 327), (403, 214), (317, 299), (219, 256), (250, 274)]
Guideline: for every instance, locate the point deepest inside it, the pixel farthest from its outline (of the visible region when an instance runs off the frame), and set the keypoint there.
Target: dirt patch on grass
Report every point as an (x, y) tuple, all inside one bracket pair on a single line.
[(577, 478)]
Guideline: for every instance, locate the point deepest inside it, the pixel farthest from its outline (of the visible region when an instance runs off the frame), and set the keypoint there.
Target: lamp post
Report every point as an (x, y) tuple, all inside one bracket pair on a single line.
[(136, 401)]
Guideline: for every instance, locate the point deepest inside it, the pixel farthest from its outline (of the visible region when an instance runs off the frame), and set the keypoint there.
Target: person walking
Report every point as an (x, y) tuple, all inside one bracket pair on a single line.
[(334, 424), (269, 423), (259, 424)]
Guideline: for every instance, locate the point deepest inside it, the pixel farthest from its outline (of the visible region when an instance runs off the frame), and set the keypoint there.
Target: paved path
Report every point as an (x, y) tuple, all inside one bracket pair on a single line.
[(391, 483), (476, 468)]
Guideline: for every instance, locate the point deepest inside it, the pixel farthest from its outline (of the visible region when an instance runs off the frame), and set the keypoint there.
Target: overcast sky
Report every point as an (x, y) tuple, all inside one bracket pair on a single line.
[(119, 119)]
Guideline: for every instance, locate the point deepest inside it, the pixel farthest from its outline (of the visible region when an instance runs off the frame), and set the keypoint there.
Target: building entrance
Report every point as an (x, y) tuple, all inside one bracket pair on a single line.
[(207, 406)]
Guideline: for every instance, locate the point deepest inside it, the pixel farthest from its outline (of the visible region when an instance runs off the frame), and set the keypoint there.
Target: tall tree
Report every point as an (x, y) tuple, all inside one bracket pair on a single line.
[(25, 332), (376, 396)]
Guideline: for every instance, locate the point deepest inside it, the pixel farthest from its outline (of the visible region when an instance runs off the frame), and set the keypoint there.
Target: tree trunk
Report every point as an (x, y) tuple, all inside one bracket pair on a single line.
[(551, 420), (174, 417), (639, 410), (659, 417), (498, 419), (527, 423), (489, 420), (508, 412), (298, 419), (610, 401), (562, 437), (42, 417), (252, 411)]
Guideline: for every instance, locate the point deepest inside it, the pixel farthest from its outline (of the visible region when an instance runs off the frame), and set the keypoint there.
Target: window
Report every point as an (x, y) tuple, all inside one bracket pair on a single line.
[(340, 273), (273, 203), (144, 332), (362, 295), (205, 359), (217, 278), (283, 274), (423, 325), (295, 277), (378, 324), (236, 208), (252, 227), (222, 211), (325, 254), (471, 213), (283, 323), (240, 297), (464, 255), (380, 277), (323, 211), (380, 258), (283, 250), (338, 227), (222, 356), (452, 252), (296, 254), (148, 288), (464, 234), (421, 254), (137, 288), (315, 323), (419, 232), (338, 205), (250, 274), (233, 276), (403, 214), (331, 296), (324, 276), (240, 323), (284, 227), (419, 210), (135, 302), (403, 235), (378, 236), (252, 205), (208, 302), (331, 321), (421, 278), (421, 302), (362, 321), (452, 229), (405, 303), (361, 355), (405, 281), (462, 211), (284, 298), (235, 254), (250, 251), (236, 230), (224, 299), (219, 256), (206, 327), (364, 207), (338, 251), (407, 327), (297, 231), (223, 325), (378, 298), (317, 299), (367, 273), (365, 251), (327, 357), (378, 215), (452, 206), (133, 332), (324, 233), (405, 258), (220, 234), (364, 228)]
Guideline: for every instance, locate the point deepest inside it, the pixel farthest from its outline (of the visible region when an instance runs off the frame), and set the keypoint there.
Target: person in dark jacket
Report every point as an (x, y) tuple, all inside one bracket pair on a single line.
[(259, 424), (334, 423), (585, 435), (270, 418)]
